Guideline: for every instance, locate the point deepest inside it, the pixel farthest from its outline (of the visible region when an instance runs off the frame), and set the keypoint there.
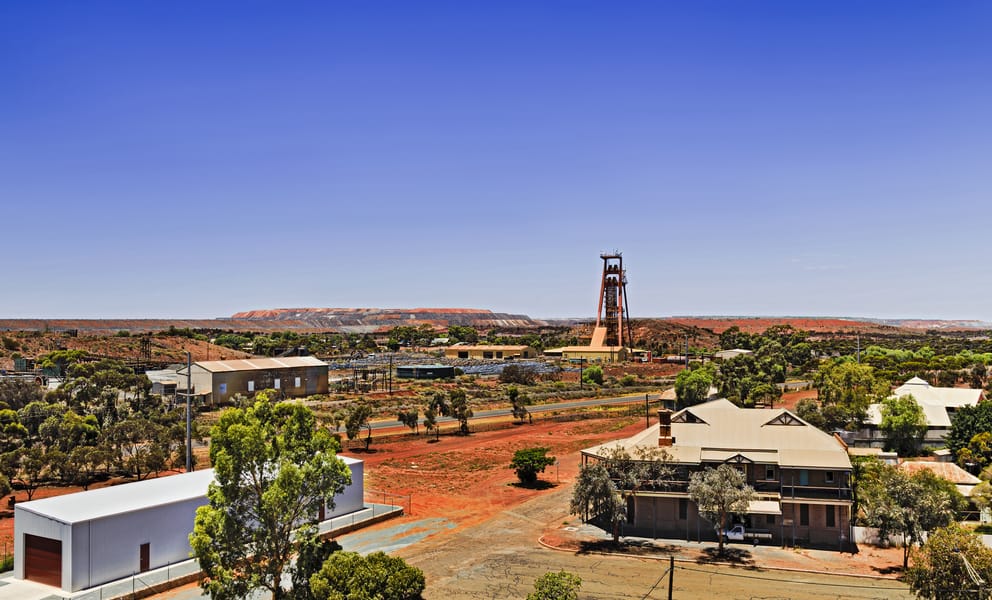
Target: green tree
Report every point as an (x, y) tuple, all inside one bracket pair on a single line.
[(720, 492), (430, 422), (692, 386), (273, 471), (967, 422), (460, 410), (911, 506), (528, 462), (357, 416), (556, 586), (595, 496), (410, 417), (903, 424), (940, 570), (378, 576), (593, 374), (849, 388)]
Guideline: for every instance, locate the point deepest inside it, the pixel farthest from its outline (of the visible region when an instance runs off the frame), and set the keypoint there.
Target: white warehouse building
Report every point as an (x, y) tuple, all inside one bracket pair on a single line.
[(78, 541)]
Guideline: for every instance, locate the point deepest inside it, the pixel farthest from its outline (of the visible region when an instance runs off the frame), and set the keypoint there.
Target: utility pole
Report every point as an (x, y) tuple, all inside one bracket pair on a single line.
[(671, 575), (687, 351), (189, 416), (859, 348)]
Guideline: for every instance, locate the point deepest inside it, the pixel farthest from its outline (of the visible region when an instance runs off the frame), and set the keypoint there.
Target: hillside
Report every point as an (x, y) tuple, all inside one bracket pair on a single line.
[(368, 320)]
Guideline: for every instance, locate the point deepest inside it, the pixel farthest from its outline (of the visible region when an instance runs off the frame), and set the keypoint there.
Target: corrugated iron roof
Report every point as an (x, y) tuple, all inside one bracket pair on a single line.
[(259, 364), (725, 430)]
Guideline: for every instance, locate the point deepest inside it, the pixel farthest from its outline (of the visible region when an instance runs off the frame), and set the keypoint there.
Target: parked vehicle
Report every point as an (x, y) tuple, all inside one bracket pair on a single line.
[(738, 533)]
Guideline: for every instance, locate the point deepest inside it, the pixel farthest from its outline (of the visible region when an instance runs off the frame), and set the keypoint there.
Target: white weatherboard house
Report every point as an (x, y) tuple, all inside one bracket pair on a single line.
[(82, 540), (939, 405)]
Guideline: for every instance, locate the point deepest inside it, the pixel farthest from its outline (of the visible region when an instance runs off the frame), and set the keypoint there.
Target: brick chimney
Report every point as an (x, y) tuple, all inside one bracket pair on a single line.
[(665, 427)]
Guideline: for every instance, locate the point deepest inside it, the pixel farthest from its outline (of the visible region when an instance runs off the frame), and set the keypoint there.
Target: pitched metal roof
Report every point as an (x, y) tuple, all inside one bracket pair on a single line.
[(259, 364), (933, 400), (722, 430), (129, 497)]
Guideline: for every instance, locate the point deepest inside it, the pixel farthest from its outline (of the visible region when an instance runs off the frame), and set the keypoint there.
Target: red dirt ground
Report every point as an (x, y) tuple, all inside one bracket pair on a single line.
[(467, 479)]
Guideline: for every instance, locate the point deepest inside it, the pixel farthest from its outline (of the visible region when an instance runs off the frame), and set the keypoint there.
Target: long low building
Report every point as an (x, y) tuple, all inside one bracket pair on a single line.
[(293, 375), (78, 541), (938, 403), (487, 352)]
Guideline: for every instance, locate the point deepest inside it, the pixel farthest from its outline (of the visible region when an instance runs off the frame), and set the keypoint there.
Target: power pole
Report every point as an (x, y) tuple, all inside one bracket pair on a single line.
[(189, 416), (671, 575), (647, 413)]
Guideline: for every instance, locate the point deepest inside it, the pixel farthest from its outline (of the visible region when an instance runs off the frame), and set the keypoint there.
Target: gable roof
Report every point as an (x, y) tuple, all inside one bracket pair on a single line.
[(129, 497), (718, 431), (257, 364)]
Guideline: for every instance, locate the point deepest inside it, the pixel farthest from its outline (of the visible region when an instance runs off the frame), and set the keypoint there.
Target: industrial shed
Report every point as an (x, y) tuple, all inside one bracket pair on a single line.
[(495, 352), (78, 541), (222, 379)]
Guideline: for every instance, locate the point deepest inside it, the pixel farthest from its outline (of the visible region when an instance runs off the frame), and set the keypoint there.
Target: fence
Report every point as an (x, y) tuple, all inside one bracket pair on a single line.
[(143, 585), (404, 501)]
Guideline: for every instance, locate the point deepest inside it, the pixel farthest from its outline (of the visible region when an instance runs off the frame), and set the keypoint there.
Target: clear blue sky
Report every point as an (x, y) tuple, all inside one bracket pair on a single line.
[(193, 159)]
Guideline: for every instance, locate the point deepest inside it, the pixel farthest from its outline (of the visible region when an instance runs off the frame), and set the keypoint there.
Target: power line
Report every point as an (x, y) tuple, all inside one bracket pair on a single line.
[(779, 579)]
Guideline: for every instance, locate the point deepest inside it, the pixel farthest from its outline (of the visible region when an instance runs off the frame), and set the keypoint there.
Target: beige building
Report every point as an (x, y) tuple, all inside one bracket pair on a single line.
[(801, 475), (589, 354), (494, 352), (293, 376)]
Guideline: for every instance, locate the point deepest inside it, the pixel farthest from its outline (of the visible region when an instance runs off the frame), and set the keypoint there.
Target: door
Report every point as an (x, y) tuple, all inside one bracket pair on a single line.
[(144, 557), (43, 560)]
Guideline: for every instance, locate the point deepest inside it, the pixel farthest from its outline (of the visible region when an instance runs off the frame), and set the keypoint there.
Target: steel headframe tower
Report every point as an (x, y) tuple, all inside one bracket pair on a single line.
[(612, 313)]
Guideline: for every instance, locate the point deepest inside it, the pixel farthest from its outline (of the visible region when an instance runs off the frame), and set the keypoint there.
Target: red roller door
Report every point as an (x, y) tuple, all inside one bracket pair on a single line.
[(43, 560)]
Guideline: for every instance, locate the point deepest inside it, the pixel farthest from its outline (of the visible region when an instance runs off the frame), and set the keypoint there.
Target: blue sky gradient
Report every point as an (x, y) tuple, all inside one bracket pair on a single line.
[(193, 159)]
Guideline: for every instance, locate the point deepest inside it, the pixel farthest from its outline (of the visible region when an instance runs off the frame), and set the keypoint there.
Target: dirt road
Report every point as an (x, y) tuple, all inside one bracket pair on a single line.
[(501, 558)]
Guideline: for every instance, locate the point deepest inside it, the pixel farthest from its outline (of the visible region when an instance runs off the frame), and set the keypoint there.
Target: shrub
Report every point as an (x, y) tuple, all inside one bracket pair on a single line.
[(529, 462)]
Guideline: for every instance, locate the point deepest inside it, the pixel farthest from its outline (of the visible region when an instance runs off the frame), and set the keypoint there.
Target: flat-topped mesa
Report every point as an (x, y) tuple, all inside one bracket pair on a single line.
[(380, 318)]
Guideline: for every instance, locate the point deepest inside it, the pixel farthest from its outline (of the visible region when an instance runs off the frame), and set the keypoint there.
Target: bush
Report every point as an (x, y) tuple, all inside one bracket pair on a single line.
[(378, 575), (556, 586), (593, 374), (628, 380), (529, 462), (10, 344), (518, 374)]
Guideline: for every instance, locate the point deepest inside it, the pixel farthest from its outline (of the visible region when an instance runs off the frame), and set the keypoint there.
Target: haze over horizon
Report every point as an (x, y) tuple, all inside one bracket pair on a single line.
[(186, 160)]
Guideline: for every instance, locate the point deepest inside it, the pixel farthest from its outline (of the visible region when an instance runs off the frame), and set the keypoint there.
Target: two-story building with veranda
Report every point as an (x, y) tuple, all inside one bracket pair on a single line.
[(801, 475)]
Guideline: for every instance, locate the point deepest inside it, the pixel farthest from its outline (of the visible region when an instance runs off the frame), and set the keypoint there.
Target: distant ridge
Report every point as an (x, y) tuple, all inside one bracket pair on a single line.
[(367, 320)]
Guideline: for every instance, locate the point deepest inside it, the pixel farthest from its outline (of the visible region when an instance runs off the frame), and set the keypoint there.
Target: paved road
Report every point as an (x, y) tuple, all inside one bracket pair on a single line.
[(536, 408)]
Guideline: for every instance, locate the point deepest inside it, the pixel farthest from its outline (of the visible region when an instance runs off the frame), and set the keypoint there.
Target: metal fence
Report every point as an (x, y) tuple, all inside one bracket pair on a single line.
[(404, 501), (142, 585)]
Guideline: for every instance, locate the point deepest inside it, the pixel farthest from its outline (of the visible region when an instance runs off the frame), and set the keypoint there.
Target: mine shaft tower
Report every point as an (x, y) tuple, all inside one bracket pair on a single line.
[(611, 317)]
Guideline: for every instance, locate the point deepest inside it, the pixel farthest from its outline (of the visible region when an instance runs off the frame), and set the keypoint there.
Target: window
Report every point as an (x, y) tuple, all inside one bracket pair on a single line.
[(769, 473), (499, 355), (828, 476), (275, 383), (251, 386), (630, 509), (830, 516), (804, 515), (803, 477), (683, 509), (462, 354), (297, 382), (223, 388), (769, 519), (487, 355)]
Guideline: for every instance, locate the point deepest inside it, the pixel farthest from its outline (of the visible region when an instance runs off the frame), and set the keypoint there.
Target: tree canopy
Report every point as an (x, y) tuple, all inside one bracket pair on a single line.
[(556, 586), (528, 462), (903, 424), (945, 566), (378, 576), (273, 469), (720, 492)]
